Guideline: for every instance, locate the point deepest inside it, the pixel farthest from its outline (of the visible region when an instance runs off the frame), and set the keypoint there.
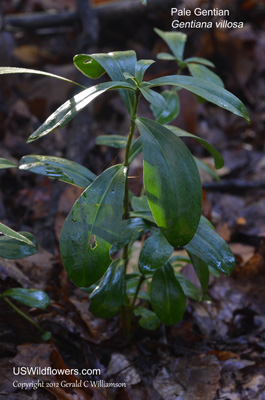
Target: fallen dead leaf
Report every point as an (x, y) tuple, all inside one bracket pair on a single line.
[(120, 368), (198, 380), (98, 329)]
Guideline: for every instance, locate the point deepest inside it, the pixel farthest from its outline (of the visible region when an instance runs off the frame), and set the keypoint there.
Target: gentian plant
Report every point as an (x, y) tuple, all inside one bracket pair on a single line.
[(98, 236)]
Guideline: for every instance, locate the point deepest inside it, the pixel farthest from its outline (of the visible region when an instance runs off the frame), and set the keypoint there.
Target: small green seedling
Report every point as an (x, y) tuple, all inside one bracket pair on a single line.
[(98, 235)]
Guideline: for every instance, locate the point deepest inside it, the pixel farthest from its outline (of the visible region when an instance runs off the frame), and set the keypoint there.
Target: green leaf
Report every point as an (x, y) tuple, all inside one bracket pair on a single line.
[(154, 98), (167, 297), (131, 230), (107, 299), (88, 66), (218, 159), (5, 230), (140, 204), (202, 271), (29, 297), (114, 64), (13, 249), (202, 72), (4, 163), (209, 247), (190, 290), (116, 141), (203, 166), (166, 56), (199, 60), (135, 149), (16, 70), (207, 90), (144, 296), (67, 111), (179, 259), (148, 320), (171, 181), (165, 116), (92, 226), (175, 41), (155, 252), (131, 285), (146, 215), (140, 67), (58, 168)]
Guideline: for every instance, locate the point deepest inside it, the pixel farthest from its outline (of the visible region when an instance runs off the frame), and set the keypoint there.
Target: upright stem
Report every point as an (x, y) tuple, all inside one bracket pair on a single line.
[(126, 311), (141, 280), (126, 213)]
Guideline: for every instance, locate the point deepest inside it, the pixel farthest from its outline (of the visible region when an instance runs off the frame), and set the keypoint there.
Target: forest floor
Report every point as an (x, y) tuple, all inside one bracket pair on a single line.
[(218, 350)]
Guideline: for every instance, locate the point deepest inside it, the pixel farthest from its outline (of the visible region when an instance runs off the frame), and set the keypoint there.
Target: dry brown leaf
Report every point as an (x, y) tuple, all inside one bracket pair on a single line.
[(98, 329), (120, 368)]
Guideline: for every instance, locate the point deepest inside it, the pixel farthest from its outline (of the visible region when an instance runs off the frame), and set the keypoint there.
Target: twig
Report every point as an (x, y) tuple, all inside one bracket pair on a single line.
[(119, 9), (233, 185)]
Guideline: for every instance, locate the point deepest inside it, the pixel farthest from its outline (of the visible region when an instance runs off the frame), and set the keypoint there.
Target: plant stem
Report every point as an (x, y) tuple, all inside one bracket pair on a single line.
[(126, 311), (126, 213), (132, 128), (142, 278), (23, 315)]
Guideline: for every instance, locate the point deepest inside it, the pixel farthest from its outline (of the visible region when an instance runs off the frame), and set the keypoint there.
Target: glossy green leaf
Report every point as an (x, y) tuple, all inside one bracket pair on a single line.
[(88, 66), (107, 298), (131, 230), (58, 168), (114, 64), (199, 60), (205, 221), (202, 72), (148, 320), (13, 249), (67, 111), (154, 98), (207, 90), (175, 41), (140, 68), (205, 167), (116, 141), (171, 181), (165, 116), (166, 56), (4, 163), (129, 76), (155, 252), (190, 290), (202, 271), (29, 297), (209, 247), (218, 159), (167, 297), (16, 70), (92, 226), (5, 230)]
